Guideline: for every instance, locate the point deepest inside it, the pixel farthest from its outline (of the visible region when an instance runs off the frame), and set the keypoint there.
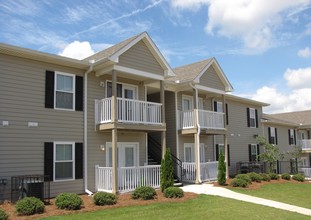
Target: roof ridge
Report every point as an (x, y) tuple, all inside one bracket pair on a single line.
[(189, 64)]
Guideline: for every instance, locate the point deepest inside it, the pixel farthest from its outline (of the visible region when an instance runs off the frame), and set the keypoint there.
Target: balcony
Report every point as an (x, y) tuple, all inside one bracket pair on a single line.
[(305, 145), (208, 171), (129, 112), (207, 119)]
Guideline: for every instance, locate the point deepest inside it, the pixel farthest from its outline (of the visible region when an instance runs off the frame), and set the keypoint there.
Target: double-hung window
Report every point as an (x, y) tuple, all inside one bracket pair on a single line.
[(291, 136), (64, 91), (272, 133), (252, 118), (64, 160), (253, 152)]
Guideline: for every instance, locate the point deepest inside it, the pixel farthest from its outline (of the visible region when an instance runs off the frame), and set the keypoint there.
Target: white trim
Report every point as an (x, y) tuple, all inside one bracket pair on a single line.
[(208, 89), (121, 146), (73, 90), (73, 159), (177, 124), (138, 72), (187, 97), (252, 112)]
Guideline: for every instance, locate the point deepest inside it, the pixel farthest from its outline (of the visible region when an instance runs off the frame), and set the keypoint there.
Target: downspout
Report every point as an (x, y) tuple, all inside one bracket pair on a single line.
[(198, 131), (85, 127)]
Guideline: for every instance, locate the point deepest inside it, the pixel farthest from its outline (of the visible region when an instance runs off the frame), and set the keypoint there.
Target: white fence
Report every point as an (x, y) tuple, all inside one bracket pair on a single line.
[(128, 110), (208, 171), (305, 144), (129, 178), (306, 172)]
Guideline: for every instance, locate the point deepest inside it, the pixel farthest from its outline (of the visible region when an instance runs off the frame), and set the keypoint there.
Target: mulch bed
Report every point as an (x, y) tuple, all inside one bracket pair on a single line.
[(88, 205)]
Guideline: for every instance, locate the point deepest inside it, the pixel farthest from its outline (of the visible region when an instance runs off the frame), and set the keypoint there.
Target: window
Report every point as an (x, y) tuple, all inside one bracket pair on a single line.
[(189, 153), (221, 148), (64, 91), (123, 90), (292, 136), (272, 132), (253, 152), (127, 154), (64, 161), (252, 118), (187, 103), (218, 107)]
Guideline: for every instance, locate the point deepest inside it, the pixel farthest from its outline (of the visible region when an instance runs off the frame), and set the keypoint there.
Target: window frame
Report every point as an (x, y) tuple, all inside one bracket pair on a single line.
[(252, 112), (64, 161), (272, 138), (123, 87), (254, 146), (73, 92), (291, 134)]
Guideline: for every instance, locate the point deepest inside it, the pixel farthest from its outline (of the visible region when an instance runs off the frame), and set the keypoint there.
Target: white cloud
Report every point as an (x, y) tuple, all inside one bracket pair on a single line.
[(77, 50), (255, 22), (296, 98), (305, 53)]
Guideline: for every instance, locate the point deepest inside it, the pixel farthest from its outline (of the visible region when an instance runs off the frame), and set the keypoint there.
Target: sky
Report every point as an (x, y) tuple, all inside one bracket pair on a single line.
[(263, 46)]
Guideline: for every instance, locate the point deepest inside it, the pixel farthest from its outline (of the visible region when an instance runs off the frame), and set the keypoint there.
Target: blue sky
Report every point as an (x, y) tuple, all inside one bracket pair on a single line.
[(263, 46)]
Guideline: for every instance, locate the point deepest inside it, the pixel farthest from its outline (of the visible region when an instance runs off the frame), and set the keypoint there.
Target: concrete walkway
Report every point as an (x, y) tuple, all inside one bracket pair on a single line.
[(209, 189)]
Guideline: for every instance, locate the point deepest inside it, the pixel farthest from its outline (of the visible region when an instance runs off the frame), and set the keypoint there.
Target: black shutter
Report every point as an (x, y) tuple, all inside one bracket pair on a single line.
[(295, 137), (250, 152), (79, 160), (227, 116), (248, 119), (276, 136), (269, 135), (217, 152), (49, 89), (48, 160), (228, 150), (215, 106), (258, 152), (289, 138), (79, 93), (256, 117)]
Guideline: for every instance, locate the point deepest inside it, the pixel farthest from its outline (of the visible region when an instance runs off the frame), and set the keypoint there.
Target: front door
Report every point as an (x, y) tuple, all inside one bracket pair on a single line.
[(127, 154)]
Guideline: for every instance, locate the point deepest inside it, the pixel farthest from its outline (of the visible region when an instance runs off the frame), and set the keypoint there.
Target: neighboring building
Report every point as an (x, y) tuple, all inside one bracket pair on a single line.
[(103, 123)]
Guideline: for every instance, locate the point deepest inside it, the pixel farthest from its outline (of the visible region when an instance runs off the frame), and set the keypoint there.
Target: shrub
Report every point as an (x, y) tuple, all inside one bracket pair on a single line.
[(221, 177), (167, 175), (3, 215), (255, 177), (69, 201), (173, 192), (299, 177), (104, 198), (144, 193), (29, 206), (285, 176), (265, 177), (274, 176), (244, 177), (239, 182)]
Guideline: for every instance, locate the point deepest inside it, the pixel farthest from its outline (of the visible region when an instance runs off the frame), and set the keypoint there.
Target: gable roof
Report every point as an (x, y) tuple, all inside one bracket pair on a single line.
[(300, 118), (276, 120), (192, 72), (112, 53)]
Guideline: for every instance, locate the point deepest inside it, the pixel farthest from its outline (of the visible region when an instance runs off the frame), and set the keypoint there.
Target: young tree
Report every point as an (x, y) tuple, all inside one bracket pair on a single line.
[(167, 176), (221, 177), (271, 153)]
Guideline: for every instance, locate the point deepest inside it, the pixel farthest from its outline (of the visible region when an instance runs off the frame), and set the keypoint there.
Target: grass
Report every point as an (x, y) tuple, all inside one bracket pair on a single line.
[(203, 207), (291, 193)]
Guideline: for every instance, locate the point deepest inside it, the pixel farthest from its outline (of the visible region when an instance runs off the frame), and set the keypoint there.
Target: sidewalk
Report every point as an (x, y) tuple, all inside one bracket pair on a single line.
[(209, 189)]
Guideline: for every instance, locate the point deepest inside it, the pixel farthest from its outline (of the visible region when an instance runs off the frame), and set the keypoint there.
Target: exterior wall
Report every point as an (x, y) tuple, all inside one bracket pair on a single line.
[(238, 134), (22, 89), (170, 118), (139, 57), (211, 79)]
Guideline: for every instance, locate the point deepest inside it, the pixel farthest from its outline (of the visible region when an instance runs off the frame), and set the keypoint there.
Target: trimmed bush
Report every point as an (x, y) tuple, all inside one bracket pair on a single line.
[(173, 192), (104, 198), (274, 176), (221, 177), (144, 193), (68, 201), (239, 182), (29, 206), (255, 177), (285, 176), (299, 177), (265, 177), (3, 215), (244, 177)]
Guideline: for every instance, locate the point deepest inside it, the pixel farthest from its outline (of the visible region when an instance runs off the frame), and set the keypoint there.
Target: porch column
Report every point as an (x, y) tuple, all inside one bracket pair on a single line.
[(114, 133), (196, 137), (163, 133), (226, 155)]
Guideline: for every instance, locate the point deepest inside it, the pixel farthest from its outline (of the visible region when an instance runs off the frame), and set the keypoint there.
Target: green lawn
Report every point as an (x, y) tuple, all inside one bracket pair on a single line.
[(291, 193), (203, 207)]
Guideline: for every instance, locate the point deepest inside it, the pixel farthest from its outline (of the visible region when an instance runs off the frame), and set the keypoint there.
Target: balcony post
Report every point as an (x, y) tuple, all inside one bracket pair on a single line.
[(163, 133), (196, 137), (114, 134)]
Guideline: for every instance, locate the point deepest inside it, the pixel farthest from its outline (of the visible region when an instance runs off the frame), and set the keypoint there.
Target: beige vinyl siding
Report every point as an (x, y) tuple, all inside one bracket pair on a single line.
[(139, 57), (22, 95), (211, 79), (238, 134), (97, 138), (170, 118)]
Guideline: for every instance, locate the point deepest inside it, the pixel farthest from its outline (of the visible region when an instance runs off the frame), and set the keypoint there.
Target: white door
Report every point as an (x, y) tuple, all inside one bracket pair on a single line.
[(127, 154), (189, 153)]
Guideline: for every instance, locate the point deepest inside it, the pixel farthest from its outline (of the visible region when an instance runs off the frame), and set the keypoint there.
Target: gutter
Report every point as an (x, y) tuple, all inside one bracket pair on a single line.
[(85, 127)]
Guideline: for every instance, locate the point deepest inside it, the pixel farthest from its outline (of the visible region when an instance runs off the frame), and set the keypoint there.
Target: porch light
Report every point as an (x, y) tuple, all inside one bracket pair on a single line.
[(102, 147)]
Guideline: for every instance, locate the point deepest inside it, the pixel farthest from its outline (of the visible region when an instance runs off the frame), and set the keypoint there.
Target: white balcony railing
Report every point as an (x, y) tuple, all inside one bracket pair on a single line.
[(208, 171), (129, 111), (306, 171), (207, 119), (129, 178), (305, 144)]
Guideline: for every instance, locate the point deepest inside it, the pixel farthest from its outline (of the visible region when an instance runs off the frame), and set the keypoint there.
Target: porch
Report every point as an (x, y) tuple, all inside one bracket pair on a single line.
[(208, 171), (306, 171), (305, 145), (206, 119)]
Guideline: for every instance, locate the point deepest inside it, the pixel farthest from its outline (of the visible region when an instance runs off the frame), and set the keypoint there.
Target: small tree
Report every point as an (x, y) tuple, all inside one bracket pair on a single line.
[(167, 177), (271, 153), (221, 177)]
